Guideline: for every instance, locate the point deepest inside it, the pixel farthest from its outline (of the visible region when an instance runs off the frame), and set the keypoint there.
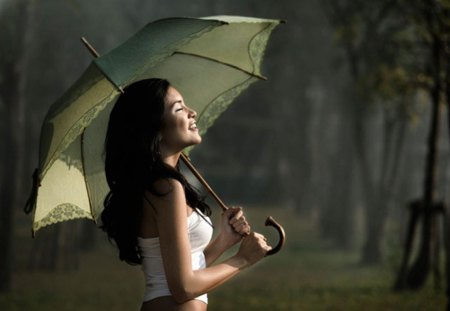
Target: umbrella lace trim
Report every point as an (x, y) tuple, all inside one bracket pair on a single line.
[(61, 213), (257, 46)]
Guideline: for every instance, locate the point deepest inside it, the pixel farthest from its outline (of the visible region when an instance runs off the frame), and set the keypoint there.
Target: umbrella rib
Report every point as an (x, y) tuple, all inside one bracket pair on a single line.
[(84, 174), (96, 54), (223, 63)]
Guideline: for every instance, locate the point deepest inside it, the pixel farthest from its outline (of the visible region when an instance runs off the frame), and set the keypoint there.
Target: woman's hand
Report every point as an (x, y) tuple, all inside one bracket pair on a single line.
[(233, 226), (253, 248), (238, 221)]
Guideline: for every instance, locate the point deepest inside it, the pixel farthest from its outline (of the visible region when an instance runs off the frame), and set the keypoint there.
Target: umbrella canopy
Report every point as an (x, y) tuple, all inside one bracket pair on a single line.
[(209, 60)]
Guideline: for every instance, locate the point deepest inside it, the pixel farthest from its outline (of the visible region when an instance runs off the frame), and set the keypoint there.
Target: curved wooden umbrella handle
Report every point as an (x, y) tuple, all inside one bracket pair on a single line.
[(271, 222)]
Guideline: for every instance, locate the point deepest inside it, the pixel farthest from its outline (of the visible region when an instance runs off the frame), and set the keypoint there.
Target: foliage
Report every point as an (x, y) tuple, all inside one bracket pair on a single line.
[(379, 41)]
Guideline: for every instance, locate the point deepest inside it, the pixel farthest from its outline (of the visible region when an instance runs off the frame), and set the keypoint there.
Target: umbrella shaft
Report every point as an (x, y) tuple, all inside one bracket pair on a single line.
[(203, 181)]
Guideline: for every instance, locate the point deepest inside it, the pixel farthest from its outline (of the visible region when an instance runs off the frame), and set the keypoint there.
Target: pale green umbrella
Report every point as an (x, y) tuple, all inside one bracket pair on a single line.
[(209, 60)]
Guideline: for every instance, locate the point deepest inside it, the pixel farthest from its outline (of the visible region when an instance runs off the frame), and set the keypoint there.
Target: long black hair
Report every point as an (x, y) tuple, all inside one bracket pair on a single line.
[(133, 164)]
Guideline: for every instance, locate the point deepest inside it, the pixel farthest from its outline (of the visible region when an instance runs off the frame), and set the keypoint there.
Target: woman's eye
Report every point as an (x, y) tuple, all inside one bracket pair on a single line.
[(179, 109)]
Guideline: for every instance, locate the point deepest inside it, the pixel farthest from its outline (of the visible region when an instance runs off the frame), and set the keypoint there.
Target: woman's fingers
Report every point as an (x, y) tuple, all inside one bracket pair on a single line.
[(236, 213), (242, 228), (239, 222), (262, 241), (254, 247)]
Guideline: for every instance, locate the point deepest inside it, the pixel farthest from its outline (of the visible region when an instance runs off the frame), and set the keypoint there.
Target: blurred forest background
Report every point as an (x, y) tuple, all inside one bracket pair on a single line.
[(347, 143)]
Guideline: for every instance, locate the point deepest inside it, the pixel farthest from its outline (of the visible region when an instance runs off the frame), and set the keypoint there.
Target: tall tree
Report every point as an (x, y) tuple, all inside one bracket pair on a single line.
[(14, 20), (429, 22), (370, 34), (446, 30)]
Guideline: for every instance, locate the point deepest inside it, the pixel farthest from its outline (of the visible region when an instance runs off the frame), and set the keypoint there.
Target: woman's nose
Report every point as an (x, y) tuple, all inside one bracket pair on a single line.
[(192, 113)]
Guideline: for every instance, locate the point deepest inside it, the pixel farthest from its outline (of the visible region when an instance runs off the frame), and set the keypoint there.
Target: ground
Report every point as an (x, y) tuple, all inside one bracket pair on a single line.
[(308, 274)]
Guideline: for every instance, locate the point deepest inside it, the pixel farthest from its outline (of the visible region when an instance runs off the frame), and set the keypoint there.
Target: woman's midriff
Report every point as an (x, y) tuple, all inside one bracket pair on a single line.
[(167, 303)]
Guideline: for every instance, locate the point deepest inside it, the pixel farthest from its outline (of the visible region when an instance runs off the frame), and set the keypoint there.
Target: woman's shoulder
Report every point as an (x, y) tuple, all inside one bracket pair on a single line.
[(167, 195), (168, 186)]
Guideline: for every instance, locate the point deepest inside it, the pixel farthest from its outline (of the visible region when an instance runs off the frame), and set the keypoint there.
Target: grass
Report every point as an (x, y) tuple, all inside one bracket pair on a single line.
[(306, 275)]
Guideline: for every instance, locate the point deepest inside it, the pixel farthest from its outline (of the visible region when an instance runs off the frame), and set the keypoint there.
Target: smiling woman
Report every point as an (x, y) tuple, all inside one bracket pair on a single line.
[(155, 217)]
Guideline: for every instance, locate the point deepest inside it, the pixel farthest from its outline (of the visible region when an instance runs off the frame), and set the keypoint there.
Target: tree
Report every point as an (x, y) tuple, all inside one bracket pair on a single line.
[(369, 34), (429, 22), (14, 21)]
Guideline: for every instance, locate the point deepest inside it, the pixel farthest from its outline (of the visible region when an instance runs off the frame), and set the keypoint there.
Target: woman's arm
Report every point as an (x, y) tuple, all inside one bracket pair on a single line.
[(184, 283)]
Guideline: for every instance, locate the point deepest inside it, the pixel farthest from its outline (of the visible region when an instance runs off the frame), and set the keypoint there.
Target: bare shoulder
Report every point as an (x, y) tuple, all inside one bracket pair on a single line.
[(168, 187), (170, 208), (170, 193)]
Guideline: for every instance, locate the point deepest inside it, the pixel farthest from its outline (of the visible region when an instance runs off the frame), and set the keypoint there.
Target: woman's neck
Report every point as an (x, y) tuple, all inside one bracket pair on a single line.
[(171, 159)]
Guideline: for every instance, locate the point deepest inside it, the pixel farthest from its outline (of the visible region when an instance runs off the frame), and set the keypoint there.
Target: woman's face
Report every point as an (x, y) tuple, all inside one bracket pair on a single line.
[(179, 130)]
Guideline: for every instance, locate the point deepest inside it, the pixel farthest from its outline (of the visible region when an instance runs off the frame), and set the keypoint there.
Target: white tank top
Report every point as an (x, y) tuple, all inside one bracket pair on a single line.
[(199, 232)]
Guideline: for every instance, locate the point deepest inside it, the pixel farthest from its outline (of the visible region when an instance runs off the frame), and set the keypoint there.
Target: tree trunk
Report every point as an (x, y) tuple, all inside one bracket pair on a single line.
[(421, 267), (12, 90), (336, 219), (446, 211), (374, 209), (393, 143), (11, 166), (447, 255), (376, 216), (415, 209), (337, 214), (7, 197)]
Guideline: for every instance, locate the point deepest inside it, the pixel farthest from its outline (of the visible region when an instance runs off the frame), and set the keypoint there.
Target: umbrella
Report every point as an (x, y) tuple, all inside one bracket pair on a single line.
[(209, 60)]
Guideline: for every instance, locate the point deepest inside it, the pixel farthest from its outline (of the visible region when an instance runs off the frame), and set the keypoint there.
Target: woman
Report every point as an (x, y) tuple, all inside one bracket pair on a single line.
[(155, 217)]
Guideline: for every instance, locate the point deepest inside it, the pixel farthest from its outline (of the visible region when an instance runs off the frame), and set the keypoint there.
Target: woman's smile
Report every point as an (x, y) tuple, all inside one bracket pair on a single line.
[(193, 127)]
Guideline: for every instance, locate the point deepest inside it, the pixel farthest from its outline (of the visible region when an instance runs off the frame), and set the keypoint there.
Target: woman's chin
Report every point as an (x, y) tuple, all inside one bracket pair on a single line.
[(197, 141), (193, 143)]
